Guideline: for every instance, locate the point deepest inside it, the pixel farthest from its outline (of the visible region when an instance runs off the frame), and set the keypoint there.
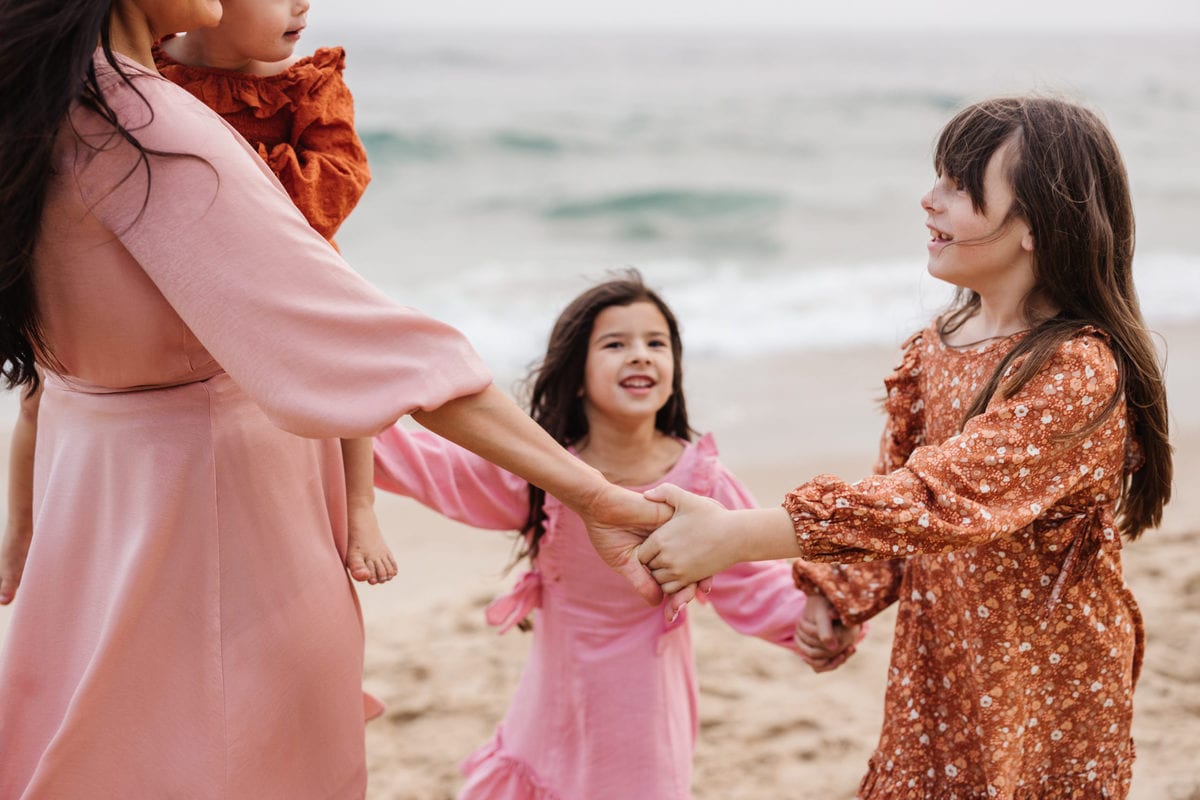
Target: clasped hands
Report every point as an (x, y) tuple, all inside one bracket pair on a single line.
[(685, 539)]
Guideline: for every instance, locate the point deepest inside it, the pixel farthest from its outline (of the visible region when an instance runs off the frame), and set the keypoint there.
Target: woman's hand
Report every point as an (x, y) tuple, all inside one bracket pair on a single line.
[(618, 521), (823, 641)]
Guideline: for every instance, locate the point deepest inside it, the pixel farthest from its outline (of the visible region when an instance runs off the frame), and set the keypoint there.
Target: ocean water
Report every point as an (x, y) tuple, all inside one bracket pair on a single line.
[(766, 183)]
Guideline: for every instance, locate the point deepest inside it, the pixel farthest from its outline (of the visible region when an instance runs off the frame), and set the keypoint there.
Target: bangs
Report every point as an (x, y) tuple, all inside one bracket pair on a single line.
[(969, 141)]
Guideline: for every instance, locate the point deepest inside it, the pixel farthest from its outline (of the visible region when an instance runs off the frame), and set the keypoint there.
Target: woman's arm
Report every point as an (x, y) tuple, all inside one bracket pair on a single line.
[(491, 425)]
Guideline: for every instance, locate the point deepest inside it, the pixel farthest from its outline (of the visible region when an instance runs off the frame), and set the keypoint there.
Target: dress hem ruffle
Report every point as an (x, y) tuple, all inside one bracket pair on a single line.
[(905, 785), (493, 774)]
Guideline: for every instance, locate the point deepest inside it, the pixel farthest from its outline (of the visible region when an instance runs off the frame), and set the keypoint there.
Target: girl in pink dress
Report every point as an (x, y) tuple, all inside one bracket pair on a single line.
[(607, 704), (186, 626)]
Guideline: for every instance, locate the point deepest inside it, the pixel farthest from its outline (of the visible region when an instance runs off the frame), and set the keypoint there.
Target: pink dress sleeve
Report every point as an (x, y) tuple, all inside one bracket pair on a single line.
[(320, 350), (449, 479), (754, 598), (862, 590), (1010, 466)]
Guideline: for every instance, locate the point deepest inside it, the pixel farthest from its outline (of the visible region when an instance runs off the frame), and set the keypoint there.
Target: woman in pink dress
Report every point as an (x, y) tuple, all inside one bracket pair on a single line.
[(607, 703), (186, 626)]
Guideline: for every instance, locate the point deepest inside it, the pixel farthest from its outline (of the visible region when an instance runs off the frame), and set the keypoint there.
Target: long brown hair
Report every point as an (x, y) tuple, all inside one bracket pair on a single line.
[(1069, 185), (46, 65), (556, 383)]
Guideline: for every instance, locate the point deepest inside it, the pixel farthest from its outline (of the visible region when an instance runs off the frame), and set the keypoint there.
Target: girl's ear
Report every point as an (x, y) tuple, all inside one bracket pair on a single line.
[(1027, 242)]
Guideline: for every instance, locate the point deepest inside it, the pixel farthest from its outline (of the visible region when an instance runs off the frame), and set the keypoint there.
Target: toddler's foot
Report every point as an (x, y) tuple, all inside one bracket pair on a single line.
[(378, 567), (12, 564), (367, 555)]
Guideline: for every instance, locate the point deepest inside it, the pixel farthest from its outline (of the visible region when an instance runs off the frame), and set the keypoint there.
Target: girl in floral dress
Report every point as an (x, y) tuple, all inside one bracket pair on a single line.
[(1026, 437)]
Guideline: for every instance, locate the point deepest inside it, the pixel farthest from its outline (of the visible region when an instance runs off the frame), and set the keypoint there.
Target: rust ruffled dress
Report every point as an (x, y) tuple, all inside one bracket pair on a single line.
[(301, 121), (1017, 642)]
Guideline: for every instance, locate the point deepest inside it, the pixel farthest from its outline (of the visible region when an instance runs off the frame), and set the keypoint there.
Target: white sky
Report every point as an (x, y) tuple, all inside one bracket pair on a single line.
[(1027, 15)]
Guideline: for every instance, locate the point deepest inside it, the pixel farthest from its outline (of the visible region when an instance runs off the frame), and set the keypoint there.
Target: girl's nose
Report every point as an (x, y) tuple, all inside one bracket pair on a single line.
[(927, 201)]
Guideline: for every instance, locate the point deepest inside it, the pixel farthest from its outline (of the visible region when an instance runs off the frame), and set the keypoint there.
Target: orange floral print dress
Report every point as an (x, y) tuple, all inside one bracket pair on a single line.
[(1017, 643), (301, 121)]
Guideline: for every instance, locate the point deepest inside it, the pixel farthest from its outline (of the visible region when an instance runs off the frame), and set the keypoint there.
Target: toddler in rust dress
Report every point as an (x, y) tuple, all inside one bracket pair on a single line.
[(299, 114)]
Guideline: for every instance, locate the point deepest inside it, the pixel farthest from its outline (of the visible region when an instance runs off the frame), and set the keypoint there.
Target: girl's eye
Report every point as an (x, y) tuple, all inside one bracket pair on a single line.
[(612, 345), (659, 343)]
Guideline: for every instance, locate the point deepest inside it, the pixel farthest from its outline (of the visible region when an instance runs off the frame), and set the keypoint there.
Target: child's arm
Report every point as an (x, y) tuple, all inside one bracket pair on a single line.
[(19, 530), (367, 555), (1009, 465), (493, 426), (859, 591), (469, 488), (756, 598), (760, 598), (449, 479), (324, 166)]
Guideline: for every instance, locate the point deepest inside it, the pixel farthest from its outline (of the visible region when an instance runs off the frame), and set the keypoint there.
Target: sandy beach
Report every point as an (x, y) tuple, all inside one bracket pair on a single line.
[(769, 727)]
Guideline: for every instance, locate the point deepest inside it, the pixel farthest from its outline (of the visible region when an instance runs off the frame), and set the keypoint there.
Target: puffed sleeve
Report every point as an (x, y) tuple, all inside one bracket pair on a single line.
[(1008, 466), (449, 479), (754, 598), (320, 350), (860, 591), (324, 165)]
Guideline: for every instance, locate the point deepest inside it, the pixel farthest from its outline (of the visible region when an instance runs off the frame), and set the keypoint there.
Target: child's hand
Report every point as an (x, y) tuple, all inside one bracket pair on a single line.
[(687, 594), (367, 555), (692, 546), (823, 641)]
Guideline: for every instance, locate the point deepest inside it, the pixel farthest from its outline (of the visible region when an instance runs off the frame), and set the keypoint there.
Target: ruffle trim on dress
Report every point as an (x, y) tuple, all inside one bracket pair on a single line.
[(903, 404), (228, 92), (493, 774), (905, 785)]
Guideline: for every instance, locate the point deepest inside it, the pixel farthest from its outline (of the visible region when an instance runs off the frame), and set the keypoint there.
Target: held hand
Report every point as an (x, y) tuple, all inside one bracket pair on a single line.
[(617, 521), (822, 640), (687, 594), (691, 547)]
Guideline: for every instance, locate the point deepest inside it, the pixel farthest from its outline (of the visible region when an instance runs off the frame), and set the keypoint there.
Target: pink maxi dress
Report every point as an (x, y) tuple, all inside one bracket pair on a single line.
[(186, 627), (606, 707)]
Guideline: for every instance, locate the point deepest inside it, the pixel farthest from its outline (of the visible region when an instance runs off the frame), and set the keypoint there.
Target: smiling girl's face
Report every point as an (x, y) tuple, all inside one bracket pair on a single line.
[(630, 366), (983, 249)]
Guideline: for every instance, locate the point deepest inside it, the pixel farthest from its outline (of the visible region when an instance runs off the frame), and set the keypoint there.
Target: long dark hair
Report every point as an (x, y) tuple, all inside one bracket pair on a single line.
[(46, 52), (1069, 185), (554, 398)]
